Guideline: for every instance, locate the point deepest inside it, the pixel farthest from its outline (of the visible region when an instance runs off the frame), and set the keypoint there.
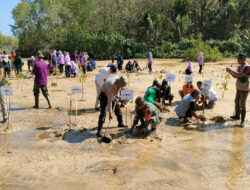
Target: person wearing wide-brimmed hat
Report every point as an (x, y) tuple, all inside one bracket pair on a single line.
[(242, 86), (108, 97), (41, 71)]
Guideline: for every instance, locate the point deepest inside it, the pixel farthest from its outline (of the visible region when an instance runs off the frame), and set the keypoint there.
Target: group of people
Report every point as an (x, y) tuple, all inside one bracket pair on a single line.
[(71, 65), (148, 108), (11, 62), (189, 70)]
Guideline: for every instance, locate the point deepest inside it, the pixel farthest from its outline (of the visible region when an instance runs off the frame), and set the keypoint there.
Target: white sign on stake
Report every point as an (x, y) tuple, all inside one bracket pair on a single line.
[(170, 77), (188, 78), (127, 94), (7, 91), (206, 84), (76, 89)]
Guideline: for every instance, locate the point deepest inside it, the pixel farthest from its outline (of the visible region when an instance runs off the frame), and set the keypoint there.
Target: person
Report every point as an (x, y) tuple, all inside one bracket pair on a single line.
[(109, 97), (84, 62), (166, 92), (188, 88), (129, 66), (200, 62), (18, 63), (49, 56), (242, 86), (153, 96), (119, 62), (100, 79), (40, 70), (92, 55), (6, 64), (136, 66), (30, 63), (2, 99), (54, 59), (61, 61), (148, 114), (12, 58), (189, 69), (150, 61), (76, 57), (74, 69), (51, 68), (207, 95), (67, 65), (187, 107)]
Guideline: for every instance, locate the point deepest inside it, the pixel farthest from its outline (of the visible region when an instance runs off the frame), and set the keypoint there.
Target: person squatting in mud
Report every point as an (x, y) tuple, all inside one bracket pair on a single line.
[(148, 114), (109, 97)]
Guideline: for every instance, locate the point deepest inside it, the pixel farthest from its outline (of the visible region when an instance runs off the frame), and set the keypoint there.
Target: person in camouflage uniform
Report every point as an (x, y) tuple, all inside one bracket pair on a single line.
[(147, 113)]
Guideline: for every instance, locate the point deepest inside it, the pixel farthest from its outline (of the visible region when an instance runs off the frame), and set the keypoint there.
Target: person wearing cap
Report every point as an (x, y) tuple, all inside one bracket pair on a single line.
[(41, 71), (108, 97), (207, 95), (242, 86), (187, 107), (147, 113), (166, 92), (100, 79)]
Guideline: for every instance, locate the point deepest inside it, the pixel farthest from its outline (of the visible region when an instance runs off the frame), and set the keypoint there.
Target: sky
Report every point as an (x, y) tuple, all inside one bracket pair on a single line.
[(6, 7)]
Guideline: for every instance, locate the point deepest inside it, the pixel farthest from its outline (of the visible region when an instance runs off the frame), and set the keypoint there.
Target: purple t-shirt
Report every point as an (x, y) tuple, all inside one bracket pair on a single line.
[(41, 72)]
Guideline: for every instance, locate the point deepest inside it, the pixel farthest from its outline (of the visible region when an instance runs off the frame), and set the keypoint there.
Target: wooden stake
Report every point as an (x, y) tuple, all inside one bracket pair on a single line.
[(70, 110), (8, 124), (76, 110), (126, 115)]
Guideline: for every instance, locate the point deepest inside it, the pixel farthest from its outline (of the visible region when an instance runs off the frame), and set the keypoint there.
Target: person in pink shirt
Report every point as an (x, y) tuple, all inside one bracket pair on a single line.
[(84, 62), (201, 62), (74, 69), (67, 64), (61, 61)]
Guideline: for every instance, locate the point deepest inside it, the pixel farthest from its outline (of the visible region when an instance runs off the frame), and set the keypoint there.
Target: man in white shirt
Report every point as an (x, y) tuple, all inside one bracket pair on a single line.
[(100, 79), (207, 95)]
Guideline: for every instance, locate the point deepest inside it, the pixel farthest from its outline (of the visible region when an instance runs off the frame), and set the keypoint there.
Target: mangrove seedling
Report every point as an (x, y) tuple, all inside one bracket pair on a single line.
[(82, 80)]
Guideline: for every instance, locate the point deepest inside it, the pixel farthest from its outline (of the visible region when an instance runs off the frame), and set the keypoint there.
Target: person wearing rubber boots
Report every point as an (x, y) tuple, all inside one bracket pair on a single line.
[(109, 97), (242, 86), (41, 71)]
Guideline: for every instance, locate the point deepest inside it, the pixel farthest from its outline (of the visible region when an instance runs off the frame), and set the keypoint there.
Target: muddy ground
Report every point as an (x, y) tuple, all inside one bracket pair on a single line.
[(40, 151)]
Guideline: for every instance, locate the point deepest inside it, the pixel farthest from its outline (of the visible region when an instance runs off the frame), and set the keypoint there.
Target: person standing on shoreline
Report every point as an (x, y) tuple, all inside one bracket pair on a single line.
[(41, 71), (242, 86)]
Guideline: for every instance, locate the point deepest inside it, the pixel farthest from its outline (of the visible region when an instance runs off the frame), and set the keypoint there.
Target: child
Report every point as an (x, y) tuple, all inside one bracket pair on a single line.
[(51, 68), (166, 92)]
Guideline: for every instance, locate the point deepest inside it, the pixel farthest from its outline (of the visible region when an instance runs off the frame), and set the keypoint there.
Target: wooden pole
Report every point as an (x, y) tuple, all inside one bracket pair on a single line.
[(8, 124)]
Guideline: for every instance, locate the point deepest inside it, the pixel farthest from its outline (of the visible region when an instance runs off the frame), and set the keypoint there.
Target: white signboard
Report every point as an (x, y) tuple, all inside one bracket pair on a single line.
[(7, 91), (76, 89), (206, 84), (170, 77), (189, 78), (127, 94)]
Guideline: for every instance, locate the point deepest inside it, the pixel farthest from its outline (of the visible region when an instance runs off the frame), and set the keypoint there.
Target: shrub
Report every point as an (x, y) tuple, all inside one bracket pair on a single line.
[(210, 54)]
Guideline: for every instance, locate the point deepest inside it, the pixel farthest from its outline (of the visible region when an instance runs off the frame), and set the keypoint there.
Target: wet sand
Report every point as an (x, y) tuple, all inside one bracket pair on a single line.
[(39, 151)]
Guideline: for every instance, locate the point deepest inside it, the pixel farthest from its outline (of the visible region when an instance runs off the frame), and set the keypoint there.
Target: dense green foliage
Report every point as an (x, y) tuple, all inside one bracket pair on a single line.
[(168, 28), (8, 43)]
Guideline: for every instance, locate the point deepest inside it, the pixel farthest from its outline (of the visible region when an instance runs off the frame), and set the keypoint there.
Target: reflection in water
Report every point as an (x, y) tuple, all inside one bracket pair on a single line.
[(237, 161)]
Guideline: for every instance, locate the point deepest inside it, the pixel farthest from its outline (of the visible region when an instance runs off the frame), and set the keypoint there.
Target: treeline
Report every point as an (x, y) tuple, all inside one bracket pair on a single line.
[(8, 43), (168, 28)]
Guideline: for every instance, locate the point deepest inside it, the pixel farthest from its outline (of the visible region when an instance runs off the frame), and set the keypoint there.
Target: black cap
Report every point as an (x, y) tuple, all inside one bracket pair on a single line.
[(242, 56), (113, 68)]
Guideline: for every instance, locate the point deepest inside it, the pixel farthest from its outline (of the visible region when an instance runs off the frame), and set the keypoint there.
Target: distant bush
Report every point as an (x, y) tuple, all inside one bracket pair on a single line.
[(210, 54)]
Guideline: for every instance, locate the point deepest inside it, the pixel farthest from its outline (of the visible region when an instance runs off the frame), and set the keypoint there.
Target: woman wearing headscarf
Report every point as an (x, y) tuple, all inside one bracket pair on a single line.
[(150, 61), (61, 61), (67, 64), (201, 62), (189, 69)]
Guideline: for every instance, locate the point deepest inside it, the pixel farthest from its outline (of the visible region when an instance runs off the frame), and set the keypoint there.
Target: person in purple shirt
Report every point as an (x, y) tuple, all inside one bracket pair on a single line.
[(41, 71)]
